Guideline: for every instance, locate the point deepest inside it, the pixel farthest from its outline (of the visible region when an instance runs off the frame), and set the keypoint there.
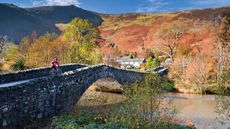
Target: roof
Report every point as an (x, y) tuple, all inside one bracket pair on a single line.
[(128, 59), (161, 69)]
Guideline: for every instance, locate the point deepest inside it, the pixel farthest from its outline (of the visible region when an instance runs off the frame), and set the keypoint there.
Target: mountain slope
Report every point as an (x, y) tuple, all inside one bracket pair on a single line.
[(64, 14), (17, 22), (136, 33)]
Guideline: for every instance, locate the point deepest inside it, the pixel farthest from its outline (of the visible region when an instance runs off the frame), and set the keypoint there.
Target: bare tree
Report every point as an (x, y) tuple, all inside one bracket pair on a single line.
[(222, 58), (170, 35), (179, 67), (222, 51), (199, 73), (171, 46), (201, 76), (3, 45)]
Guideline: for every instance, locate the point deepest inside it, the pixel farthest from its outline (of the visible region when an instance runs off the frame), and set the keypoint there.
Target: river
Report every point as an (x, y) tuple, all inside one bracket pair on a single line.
[(197, 109), (191, 108)]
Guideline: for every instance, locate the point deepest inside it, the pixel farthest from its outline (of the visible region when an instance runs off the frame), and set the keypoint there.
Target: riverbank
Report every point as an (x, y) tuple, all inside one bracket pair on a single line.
[(191, 108), (211, 89), (141, 106)]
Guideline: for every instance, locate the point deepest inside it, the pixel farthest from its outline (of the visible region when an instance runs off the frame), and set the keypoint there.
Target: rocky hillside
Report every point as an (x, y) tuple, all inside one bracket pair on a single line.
[(132, 33), (16, 22)]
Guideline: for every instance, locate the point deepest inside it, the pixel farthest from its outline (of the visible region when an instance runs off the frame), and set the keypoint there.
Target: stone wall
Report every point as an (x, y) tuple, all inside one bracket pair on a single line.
[(49, 96), (34, 73)]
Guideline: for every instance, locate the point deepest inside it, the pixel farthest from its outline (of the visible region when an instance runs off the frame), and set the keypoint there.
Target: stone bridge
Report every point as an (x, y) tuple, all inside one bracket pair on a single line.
[(42, 96)]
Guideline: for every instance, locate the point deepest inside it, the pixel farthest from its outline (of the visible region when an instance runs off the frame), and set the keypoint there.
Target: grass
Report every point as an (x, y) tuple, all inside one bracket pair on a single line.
[(93, 120), (116, 21)]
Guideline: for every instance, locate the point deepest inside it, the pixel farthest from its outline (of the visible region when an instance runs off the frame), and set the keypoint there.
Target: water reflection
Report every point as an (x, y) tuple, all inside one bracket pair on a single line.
[(197, 109), (223, 108)]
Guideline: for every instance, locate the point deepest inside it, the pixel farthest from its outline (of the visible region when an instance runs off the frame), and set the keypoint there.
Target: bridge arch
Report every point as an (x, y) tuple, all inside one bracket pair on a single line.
[(49, 96)]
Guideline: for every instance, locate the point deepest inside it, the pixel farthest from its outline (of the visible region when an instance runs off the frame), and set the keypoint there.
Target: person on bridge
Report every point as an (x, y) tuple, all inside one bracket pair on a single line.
[(55, 64)]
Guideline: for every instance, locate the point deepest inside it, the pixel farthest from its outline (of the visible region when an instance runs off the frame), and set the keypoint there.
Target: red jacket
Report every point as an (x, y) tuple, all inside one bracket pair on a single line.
[(55, 63)]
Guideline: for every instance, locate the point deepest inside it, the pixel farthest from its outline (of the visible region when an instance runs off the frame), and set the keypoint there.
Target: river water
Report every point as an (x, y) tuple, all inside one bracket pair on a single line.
[(195, 109)]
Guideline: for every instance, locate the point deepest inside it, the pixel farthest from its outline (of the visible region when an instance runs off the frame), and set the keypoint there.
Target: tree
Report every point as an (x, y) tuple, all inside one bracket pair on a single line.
[(82, 36), (145, 105), (12, 53), (222, 52), (40, 50), (3, 45), (152, 62), (223, 108), (23, 48), (170, 37), (76, 45), (198, 73), (179, 67), (81, 31)]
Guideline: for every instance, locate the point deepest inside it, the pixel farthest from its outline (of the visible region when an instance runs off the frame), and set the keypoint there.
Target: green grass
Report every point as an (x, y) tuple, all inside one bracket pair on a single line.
[(115, 21), (93, 120), (168, 86)]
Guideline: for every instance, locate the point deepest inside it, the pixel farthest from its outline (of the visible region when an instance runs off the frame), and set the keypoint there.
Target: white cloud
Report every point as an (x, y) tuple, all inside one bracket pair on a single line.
[(152, 6), (210, 3), (55, 2), (172, 5)]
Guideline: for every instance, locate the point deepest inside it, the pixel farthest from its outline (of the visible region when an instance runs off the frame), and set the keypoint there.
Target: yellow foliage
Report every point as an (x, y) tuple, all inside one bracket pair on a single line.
[(76, 45)]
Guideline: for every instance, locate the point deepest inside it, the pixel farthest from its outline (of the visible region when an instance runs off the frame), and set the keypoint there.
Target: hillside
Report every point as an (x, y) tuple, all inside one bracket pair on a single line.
[(129, 33), (16, 22), (132, 33)]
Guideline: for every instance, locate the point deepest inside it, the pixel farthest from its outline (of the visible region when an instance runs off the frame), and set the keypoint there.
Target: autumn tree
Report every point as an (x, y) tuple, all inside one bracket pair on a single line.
[(197, 73), (59, 49), (23, 48), (179, 67), (81, 35), (170, 36), (12, 53), (76, 45), (222, 52), (81, 31), (40, 50)]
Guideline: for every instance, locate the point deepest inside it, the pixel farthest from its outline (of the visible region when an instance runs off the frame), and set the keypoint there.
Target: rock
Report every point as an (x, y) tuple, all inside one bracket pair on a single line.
[(4, 123), (107, 85), (4, 108), (39, 116)]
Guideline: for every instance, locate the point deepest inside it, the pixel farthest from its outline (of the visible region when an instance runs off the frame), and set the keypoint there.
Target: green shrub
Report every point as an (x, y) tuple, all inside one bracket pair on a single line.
[(152, 63), (18, 65), (168, 86), (93, 120)]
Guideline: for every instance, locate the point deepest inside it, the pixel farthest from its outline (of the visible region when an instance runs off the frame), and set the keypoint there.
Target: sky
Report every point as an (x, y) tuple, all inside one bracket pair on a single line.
[(126, 6)]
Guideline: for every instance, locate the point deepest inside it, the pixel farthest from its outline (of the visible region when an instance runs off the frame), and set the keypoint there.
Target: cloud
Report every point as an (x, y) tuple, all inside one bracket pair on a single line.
[(178, 5), (152, 6), (210, 3), (199, 4), (55, 2)]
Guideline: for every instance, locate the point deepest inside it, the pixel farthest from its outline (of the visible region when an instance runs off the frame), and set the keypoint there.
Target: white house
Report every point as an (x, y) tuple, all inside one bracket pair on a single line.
[(127, 62)]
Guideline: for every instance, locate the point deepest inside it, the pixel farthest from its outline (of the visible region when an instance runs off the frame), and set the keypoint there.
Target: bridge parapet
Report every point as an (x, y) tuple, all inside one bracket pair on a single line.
[(52, 95), (34, 73)]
